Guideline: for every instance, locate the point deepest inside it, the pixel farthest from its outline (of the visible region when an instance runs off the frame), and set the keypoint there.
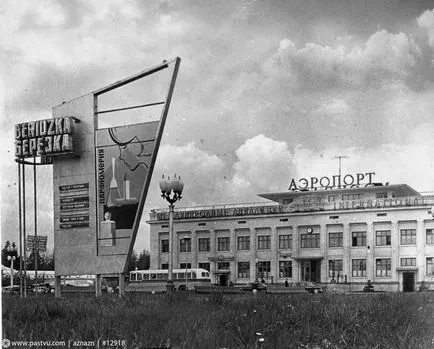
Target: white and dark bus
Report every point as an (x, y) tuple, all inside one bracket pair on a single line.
[(156, 280)]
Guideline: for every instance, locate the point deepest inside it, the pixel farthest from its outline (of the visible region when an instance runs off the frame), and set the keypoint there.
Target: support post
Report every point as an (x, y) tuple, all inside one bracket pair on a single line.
[(20, 230), (98, 285), (121, 284), (169, 285), (58, 281)]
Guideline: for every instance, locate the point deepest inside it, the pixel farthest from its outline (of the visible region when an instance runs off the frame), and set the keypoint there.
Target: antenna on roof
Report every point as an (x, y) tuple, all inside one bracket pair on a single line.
[(340, 157)]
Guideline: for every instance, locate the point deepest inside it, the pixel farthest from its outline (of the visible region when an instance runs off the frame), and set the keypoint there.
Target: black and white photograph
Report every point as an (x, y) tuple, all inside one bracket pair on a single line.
[(253, 174)]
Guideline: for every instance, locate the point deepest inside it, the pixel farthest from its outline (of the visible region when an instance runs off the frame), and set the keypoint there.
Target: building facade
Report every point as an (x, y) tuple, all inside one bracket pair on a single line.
[(381, 233)]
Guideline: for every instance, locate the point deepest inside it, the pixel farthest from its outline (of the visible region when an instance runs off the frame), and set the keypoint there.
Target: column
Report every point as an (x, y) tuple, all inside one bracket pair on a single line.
[(233, 250), (176, 253), (194, 249), (395, 241), (370, 241), (58, 281), (324, 252), (274, 260), (252, 255), (420, 251), (296, 277), (213, 247), (347, 242)]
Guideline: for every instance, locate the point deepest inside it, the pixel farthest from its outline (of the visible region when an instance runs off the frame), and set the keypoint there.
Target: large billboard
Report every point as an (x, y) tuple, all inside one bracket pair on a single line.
[(123, 158), (101, 181)]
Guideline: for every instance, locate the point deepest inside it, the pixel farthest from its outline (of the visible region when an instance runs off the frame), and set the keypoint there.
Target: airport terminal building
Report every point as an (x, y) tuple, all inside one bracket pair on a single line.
[(325, 234)]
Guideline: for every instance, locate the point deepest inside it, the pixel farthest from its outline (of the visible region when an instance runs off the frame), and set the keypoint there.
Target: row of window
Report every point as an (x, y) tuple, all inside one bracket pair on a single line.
[(358, 238), (383, 267)]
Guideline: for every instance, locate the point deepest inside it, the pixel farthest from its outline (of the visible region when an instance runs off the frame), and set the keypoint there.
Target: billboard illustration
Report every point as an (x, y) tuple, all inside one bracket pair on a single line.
[(123, 159)]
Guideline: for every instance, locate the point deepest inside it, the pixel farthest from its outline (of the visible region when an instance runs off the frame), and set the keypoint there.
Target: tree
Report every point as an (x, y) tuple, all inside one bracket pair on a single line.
[(144, 260), (132, 264), (31, 261), (49, 261)]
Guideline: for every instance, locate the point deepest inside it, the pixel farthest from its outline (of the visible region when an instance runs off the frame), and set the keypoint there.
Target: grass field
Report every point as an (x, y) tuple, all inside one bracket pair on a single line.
[(212, 321)]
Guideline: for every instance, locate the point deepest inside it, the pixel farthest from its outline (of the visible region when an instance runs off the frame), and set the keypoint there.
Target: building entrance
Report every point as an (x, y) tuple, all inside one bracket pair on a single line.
[(310, 270), (408, 282), (223, 279)]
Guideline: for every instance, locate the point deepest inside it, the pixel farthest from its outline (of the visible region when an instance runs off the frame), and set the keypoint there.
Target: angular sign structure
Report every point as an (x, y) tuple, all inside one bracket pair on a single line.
[(100, 188)]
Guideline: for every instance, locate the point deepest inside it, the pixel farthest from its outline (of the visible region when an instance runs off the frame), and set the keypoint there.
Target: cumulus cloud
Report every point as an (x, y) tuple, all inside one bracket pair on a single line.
[(263, 164), (426, 21), (200, 171), (314, 65)]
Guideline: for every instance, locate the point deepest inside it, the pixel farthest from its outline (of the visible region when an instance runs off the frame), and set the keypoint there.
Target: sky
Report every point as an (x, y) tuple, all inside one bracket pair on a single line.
[(267, 90)]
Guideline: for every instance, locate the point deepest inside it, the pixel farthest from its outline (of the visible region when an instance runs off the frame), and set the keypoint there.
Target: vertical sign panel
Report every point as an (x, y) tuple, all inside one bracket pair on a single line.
[(123, 158)]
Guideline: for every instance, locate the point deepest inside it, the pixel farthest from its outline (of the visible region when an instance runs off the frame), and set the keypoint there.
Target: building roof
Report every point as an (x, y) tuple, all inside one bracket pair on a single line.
[(400, 190)]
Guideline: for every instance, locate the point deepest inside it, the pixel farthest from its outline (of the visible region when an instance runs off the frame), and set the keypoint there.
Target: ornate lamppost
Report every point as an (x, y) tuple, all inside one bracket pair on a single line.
[(12, 255), (171, 191)]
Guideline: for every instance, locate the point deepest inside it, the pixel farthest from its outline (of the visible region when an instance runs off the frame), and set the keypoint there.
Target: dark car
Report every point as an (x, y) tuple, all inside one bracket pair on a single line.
[(254, 286)]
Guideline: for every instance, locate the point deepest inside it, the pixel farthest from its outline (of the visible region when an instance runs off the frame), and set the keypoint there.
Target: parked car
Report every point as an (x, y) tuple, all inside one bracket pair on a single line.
[(311, 287), (42, 288), (254, 286)]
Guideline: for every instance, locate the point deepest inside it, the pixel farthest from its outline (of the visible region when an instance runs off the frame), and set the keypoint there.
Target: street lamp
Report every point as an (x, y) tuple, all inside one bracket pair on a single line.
[(171, 191), (12, 255)]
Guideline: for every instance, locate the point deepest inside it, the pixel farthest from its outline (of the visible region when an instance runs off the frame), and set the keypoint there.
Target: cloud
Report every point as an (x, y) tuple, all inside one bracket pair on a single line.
[(426, 21), (410, 162), (200, 171), (263, 165), (383, 56)]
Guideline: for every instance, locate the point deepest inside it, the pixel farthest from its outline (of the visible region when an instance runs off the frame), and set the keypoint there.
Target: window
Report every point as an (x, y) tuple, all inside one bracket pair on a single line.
[(408, 262), (430, 266), (285, 269), (359, 267), (203, 244), (309, 240), (264, 242), (336, 239), (381, 195), (285, 241), (351, 197), (184, 265), (332, 198), (359, 238), (164, 266), (223, 244), (185, 245), (204, 266), (263, 269), (335, 267), (244, 270), (430, 236), (223, 265), (382, 238), (243, 243), (383, 267), (164, 246), (408, 236)]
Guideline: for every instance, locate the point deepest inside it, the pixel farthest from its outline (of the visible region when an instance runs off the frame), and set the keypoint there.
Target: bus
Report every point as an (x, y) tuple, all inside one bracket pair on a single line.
[(156, 280)]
